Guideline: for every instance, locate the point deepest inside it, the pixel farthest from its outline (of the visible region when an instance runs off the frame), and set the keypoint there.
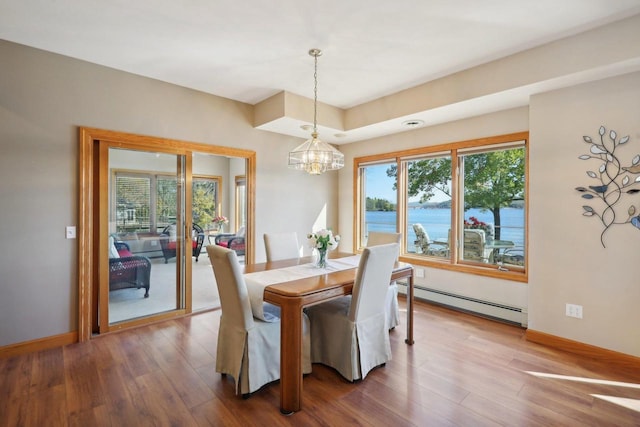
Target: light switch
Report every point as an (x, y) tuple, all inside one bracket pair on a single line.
[(71, 232)]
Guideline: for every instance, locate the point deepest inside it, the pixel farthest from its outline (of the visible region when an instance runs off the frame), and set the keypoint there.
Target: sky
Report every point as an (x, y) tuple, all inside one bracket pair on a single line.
[(380, 186)]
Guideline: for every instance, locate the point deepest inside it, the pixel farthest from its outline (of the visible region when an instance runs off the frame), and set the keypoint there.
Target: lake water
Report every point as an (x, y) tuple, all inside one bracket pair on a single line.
[(437, 222)]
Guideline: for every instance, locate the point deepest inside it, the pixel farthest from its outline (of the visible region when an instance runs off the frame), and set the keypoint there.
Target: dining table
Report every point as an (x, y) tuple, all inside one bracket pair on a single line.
[(293, 295)]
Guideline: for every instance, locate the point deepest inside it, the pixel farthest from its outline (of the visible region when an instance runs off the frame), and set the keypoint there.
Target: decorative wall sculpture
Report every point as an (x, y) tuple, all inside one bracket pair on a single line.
[(612, 182)]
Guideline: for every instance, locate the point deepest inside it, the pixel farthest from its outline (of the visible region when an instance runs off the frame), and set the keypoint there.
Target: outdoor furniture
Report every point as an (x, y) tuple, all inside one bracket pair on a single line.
[(512, 256), (474, 246), (427, 246), (168, 241), (127, 270), (232, 241)]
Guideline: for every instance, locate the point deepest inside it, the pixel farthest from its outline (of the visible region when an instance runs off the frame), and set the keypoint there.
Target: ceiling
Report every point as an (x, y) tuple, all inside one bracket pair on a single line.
[(250, 50)]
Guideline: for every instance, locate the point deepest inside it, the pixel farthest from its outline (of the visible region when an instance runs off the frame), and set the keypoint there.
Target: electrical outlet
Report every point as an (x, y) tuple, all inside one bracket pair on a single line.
[(574, 310), (419, 272)]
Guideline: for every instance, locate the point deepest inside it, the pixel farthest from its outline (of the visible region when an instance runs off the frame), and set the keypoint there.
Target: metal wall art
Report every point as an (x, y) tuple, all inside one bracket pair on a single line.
[(613, 182)]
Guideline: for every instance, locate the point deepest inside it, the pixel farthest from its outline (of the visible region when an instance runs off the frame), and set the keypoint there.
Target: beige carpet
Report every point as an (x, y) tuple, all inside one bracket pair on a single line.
[(125, 304)]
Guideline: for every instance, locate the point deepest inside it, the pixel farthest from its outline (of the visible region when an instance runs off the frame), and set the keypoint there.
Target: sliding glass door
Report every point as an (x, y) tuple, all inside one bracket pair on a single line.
[(147, 211), (148, 238)]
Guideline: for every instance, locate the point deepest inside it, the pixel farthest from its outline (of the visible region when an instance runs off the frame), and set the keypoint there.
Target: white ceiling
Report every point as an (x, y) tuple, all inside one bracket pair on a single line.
[(249, 50)]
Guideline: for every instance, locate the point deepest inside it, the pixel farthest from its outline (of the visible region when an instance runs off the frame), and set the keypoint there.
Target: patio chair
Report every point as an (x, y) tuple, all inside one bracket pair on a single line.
[(168, 241), (127, 270), (426, 245), (512, 256), (474, 246), (232, 241)]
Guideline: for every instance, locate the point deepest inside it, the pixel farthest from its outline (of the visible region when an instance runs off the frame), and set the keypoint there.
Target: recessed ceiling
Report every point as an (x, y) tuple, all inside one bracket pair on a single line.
[(250, 50)]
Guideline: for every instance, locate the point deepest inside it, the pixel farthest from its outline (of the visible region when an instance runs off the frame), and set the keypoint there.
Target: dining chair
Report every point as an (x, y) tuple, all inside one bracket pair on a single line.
[(248, 349), (281, 246), (376, 238), (349, 333)]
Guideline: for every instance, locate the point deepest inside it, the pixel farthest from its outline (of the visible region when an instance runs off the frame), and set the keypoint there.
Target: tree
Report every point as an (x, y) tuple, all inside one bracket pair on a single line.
[(492, 180), (204, 204), (375, 204)]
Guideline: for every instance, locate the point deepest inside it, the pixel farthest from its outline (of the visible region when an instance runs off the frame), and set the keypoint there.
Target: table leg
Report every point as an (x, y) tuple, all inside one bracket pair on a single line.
[(290, 358), (409, 339)]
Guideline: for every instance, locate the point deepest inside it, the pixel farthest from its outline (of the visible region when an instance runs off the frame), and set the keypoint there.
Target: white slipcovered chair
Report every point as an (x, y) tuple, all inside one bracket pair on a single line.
[(392, 309), (248, 348), (349, 333), (281, 246)]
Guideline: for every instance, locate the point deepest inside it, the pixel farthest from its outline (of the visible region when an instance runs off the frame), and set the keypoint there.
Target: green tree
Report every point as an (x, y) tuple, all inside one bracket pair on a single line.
[(375, 204), (204, 202), (492, 180)]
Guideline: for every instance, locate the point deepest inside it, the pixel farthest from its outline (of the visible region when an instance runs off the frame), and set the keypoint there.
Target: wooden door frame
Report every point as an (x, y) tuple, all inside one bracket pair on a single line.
[(87, 202)]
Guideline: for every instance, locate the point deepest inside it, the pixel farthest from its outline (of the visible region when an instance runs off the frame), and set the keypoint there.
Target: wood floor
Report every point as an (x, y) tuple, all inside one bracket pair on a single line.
[(462, 371)]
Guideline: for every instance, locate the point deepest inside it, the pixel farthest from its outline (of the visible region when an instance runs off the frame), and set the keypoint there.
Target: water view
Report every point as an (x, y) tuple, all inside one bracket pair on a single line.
[(437, 223)]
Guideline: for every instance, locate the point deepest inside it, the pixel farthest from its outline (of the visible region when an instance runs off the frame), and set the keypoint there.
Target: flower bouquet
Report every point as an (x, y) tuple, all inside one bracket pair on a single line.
[(323, 240), (220, 221)]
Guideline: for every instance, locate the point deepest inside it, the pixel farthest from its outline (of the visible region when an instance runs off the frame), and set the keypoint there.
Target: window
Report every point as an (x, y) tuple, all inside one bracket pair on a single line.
[(132, 201), (147, 202), (462, 206), (379, 198), (205, 203), (241, 201), (428, 196)]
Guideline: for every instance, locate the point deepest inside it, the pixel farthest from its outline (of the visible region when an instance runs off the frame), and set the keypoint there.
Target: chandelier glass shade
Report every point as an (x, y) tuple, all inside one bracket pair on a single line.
[(315, 156)]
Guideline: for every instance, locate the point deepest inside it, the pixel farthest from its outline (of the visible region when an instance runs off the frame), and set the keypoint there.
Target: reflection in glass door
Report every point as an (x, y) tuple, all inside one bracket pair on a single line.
[(146, 241)]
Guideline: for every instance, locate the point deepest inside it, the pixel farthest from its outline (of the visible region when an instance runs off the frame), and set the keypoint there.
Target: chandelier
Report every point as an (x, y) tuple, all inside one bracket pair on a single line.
[(315, 156)]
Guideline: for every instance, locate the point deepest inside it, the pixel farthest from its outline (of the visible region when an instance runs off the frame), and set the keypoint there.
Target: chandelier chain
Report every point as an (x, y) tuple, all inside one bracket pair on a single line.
[(315, 93)]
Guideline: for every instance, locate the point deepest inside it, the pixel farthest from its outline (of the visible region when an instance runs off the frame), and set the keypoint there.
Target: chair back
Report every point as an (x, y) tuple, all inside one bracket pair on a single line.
[(372, 281), (474, 245), (422, 238), (377, 238), (281, 246), (234, 297)]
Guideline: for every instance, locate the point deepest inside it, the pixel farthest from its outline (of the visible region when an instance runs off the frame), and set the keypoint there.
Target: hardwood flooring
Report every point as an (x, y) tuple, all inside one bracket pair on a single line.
[(462, 371)]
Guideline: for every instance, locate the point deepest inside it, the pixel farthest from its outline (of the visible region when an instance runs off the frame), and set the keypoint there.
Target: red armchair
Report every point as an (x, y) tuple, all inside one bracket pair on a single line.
[(232, 241), (168, 242), (127, 270)]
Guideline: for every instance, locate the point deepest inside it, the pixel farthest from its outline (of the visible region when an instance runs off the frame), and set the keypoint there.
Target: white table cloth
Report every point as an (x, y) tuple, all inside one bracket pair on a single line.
[(256, 282)]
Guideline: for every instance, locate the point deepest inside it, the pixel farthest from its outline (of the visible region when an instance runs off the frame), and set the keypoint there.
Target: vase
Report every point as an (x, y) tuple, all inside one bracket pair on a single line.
[(321, 261)]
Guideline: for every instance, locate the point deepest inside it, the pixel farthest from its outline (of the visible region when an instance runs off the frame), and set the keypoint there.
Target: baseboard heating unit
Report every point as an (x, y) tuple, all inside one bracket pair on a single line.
[(501, 312)]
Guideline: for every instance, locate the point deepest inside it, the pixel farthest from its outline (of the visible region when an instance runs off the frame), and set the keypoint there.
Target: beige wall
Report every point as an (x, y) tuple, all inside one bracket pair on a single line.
[(569, 264), (44, 98)]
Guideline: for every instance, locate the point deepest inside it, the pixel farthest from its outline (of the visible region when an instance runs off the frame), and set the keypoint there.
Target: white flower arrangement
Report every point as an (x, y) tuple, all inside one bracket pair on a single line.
[(323, 240)]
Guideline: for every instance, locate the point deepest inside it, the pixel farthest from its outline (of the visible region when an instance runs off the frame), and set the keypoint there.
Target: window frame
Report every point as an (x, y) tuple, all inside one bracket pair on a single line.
[(455, 150)]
